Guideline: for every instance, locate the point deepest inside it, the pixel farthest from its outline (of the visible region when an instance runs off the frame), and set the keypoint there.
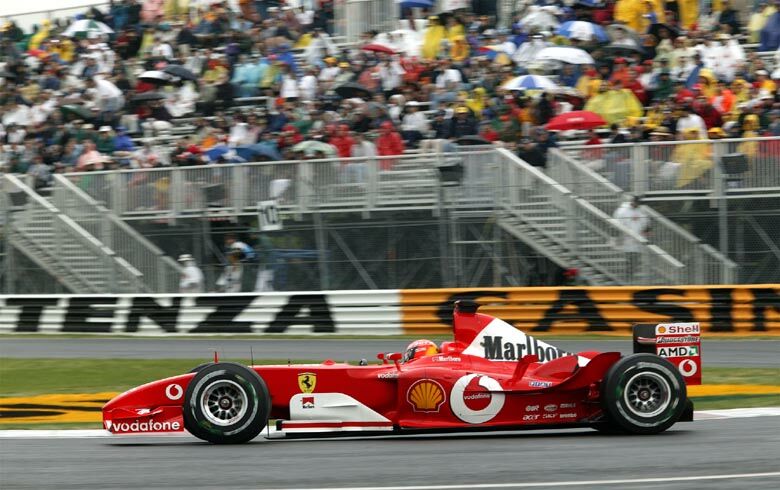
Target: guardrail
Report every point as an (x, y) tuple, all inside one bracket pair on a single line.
[(417, 312), (351, 184), (61, 246), (586, 231), (160, 273), (705, 265), (684, 167)]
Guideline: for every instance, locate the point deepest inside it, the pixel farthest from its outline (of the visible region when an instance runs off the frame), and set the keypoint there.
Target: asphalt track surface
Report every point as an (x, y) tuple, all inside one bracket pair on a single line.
[(742, 353), (574, 456)]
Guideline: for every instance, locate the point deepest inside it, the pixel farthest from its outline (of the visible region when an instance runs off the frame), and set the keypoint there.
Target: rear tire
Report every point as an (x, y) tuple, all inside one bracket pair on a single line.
[(643, 394), (226, 403)]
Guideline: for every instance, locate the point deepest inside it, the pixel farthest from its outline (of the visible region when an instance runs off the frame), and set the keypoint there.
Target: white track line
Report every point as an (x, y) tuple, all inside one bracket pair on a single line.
[(563, 483), (733, 413)]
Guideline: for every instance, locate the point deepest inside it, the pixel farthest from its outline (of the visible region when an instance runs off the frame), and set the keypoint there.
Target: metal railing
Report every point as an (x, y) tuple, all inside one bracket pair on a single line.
[(586, 233), (26, 20), (683, 167), (354, 17), (160, 273), (59, 245), (352, 184), (678, 242)]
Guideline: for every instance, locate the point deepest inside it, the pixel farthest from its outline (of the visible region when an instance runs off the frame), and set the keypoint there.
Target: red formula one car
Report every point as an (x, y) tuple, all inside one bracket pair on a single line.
[(490, 377)]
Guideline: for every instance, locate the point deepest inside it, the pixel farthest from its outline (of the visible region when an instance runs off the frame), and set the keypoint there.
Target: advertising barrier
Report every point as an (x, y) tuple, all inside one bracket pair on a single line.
[(753, 309)]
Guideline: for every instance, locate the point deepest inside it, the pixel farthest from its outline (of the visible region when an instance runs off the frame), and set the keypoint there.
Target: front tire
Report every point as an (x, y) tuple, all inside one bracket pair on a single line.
[(226, 403), (643, 394)]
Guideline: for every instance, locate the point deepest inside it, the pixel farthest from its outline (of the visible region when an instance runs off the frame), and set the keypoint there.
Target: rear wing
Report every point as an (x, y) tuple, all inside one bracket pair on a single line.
[(678, 343)]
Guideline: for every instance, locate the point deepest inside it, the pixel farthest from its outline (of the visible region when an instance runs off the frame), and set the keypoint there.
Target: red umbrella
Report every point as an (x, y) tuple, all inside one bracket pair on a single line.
[(576, 120), (378, 48)]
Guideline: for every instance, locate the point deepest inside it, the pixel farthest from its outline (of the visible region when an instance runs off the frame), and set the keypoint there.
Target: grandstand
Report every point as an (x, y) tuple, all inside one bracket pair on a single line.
[(451, 209)]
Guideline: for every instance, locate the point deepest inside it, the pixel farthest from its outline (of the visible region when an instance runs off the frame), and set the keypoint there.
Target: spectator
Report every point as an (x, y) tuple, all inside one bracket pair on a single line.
[(389, 143), (630, 216), (192, 281)]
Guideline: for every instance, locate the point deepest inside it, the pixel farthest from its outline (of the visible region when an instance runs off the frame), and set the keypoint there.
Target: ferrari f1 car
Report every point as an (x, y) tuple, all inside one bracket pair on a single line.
[(491, 376)]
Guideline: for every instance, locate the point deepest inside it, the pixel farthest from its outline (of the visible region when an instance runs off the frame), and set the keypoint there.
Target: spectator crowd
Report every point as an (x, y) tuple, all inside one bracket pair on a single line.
[(268, 80)]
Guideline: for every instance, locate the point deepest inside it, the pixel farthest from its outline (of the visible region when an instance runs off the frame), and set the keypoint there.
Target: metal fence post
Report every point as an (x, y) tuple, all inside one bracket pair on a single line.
[(640, 175)]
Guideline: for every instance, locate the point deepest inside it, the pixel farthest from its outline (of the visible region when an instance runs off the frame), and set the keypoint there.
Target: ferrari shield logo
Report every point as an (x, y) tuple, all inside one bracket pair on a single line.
[(307, 382)]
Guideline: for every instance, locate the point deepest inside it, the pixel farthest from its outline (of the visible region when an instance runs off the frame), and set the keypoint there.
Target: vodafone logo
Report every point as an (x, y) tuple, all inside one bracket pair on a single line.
[(174, 391), (473, 398), (687, 367)]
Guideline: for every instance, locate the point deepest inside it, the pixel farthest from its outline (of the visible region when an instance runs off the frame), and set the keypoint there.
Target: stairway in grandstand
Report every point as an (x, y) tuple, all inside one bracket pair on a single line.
[(61, 237)]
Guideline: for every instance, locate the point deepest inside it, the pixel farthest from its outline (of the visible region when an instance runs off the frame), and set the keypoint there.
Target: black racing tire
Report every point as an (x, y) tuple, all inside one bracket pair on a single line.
[(643, 394), (200, 367), (226, 403)]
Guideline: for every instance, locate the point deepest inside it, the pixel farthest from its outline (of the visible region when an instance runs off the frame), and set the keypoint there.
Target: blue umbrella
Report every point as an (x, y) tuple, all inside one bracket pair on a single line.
[(423, 4), (530, 82), (585, 31), (217, 152), (263, 150)]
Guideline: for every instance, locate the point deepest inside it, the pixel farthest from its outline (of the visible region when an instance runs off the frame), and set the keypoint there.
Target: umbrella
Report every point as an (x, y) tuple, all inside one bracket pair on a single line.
[(624, 48), (312, 146), (78, 110), (473, 140), (539, 19), (423, 4), (85, 27), (623, 35), (656, 29), (181, 72), (156, 77), (350, 90), (575, 120), (148, 96), (378, 48), (584, 31), (529, 82), (574, 56), (262, 150)]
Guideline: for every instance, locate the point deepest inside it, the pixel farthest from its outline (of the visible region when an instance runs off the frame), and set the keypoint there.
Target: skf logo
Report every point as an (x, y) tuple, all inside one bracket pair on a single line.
[(307, 382), (425, 395)]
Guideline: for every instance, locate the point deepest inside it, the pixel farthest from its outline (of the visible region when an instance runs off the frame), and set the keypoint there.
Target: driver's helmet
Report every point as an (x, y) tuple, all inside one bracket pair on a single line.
[(420, 348)]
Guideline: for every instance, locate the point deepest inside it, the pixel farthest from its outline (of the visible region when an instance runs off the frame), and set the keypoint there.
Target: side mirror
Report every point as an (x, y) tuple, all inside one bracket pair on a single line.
[(394, 356), (381, 357)]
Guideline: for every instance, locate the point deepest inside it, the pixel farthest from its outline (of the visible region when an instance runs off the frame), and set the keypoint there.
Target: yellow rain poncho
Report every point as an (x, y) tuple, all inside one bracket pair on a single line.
[(689, 12), (41, 35), (434, 34), (65, 49), (459, 49), (694, 158), (628, 12), (758, 21), (477, 101), (615, 106)]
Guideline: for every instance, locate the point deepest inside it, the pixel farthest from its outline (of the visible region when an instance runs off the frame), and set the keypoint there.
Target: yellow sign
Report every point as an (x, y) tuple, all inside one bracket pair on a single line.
[(307, 382), (60, 408)]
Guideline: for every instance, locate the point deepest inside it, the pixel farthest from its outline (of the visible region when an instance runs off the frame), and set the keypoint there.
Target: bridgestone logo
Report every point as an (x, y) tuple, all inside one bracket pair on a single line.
[(150, 426), (677, 340), (498, 350)]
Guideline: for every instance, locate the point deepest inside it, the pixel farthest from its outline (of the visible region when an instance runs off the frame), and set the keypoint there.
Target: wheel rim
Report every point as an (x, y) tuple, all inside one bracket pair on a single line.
[(647, 394), (223, 402)]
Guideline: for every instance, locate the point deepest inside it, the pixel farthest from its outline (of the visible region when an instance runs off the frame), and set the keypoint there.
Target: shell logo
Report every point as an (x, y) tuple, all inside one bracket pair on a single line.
[(661, 329), (425, 395)]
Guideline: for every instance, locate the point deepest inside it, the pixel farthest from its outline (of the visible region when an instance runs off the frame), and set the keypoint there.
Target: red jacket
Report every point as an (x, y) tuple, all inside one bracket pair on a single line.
[(389, 143), (343, 145)]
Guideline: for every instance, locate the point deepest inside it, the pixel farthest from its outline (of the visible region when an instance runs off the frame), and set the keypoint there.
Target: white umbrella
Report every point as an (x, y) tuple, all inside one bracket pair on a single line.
[(573, 56), (529, 82), (156, 76), (87, 26)]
